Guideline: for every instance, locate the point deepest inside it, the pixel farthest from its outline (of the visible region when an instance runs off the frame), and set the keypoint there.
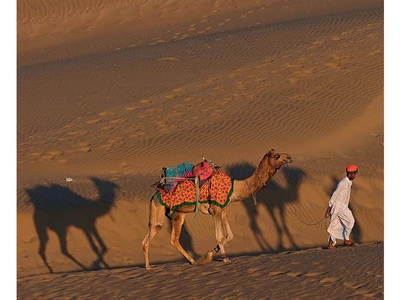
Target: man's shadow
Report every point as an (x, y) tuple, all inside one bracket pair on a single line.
[(356, 232), (57, 207), (275, 198)]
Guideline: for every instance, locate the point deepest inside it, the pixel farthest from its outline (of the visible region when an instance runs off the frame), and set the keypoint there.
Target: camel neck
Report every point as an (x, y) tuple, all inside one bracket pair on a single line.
[(259, 177)]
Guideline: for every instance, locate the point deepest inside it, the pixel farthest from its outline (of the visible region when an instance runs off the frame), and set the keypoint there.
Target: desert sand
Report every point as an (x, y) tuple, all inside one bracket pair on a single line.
[(108, 94)]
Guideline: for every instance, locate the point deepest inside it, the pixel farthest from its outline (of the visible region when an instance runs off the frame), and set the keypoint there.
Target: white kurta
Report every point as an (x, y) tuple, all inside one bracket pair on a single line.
[(342, 220)]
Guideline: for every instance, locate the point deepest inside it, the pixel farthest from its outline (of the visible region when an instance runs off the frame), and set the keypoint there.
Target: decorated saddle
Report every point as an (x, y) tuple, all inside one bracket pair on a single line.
[(216, 190), (172, 176)]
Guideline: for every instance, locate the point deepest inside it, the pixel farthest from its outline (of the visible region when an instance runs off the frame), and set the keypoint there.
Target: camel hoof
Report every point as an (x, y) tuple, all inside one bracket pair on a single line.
[(226, 260), (148, 268), (207, 258)]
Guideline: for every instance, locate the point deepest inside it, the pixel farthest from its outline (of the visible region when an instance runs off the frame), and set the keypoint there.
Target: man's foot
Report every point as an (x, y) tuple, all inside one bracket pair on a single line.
[(330, 244), (349, 243)]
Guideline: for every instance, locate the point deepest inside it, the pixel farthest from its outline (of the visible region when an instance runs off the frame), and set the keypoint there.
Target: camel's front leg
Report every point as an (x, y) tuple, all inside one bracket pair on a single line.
[(177, 223), (228, 235), (219, 218)]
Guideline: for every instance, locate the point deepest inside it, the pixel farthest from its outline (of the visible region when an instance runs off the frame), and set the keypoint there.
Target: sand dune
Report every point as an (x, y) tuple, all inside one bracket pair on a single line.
[(301, 275), (110, 94)]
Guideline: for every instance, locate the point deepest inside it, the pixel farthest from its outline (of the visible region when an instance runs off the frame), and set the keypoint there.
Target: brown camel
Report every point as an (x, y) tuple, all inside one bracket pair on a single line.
[(242, 189)]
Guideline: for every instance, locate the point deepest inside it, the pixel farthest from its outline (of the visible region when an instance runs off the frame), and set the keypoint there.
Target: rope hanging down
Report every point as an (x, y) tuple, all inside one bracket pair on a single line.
[(294, 208)]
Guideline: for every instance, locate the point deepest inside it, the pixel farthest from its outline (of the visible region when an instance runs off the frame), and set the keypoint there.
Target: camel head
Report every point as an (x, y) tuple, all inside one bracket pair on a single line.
[(276, 159)]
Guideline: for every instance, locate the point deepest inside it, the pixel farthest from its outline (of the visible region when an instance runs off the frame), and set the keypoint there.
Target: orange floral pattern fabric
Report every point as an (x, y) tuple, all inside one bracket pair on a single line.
[(216, 191)]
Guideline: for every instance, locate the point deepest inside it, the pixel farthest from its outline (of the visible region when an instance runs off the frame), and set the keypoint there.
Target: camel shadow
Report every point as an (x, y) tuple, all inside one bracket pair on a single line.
[(275, 198), (57, 208), (356, 232)]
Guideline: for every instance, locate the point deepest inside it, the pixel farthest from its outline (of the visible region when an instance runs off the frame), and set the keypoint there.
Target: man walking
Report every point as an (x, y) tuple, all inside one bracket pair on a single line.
[(342, 220)]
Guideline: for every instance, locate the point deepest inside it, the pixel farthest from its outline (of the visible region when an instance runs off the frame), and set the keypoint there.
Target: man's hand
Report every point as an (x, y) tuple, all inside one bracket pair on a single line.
[(328, 212)]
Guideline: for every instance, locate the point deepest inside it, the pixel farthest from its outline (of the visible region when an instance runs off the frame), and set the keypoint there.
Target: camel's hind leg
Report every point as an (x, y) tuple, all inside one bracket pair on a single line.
[(177, 223), (156, 223)]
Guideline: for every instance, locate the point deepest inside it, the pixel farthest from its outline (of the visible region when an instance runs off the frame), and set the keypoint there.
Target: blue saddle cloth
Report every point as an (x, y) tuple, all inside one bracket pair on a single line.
[(176, 171)]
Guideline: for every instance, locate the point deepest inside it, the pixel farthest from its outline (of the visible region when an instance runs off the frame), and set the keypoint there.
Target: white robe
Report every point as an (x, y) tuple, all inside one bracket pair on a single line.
[(342, 220)]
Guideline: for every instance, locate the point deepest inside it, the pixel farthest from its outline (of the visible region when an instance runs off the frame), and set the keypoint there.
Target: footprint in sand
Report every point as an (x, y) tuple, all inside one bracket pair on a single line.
[(55, 152), (145, 101), (130, 108), (294, 274), (171, 58), (78, 132), (333, 65), (118, 121), (107, 128), (47, 157), (79, 150), (277, 273), (93, 121), (36, 154), (107, 113), (354, 286), (330, 280), (321, 42), (313, 274), (247, 13)]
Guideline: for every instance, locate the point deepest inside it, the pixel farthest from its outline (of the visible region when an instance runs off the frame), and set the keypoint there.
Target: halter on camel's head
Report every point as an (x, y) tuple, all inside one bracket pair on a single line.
[(276, 160)]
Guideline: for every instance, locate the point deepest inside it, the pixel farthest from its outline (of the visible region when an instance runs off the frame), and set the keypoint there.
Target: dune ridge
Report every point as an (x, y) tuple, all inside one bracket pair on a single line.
[(52, 30)]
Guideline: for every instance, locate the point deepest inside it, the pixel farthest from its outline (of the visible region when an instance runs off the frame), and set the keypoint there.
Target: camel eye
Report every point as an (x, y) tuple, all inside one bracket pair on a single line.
[(277, 156)]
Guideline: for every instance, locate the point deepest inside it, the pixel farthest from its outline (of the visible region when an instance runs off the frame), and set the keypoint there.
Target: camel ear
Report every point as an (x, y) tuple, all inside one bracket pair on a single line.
[(271, 152)]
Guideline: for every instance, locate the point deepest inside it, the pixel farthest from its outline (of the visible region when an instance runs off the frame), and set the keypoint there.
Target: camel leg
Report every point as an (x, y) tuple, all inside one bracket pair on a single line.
[(228, 234), (217, 214), (156, 223), (177, 223)]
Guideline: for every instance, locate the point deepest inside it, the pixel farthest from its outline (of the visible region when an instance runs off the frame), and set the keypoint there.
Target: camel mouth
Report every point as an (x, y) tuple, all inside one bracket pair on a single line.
[(288, 161)]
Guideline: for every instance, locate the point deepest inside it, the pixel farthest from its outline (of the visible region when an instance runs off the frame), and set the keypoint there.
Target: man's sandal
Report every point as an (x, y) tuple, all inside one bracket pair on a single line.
[(351, 244)]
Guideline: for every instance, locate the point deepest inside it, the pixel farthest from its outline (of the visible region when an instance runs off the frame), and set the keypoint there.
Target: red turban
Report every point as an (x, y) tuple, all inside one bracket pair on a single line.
[(351, 168)]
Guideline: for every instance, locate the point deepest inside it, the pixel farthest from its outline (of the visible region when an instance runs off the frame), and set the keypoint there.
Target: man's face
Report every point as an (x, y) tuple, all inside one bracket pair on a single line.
[(351, 176)]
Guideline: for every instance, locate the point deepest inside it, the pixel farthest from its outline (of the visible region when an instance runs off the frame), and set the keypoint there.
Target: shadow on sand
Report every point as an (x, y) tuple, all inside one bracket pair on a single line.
[(57, 207), (275, 198)]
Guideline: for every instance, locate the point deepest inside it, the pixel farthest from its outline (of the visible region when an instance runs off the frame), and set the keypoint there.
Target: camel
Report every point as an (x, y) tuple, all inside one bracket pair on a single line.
[(242, 189)]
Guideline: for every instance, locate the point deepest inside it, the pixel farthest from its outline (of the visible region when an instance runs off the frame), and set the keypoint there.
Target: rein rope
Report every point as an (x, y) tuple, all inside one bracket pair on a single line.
[(252, 193), (294, 208)]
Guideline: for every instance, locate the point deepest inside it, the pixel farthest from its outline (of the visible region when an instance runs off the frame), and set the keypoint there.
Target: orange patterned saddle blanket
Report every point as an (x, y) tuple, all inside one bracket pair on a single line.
[(217, 190)]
